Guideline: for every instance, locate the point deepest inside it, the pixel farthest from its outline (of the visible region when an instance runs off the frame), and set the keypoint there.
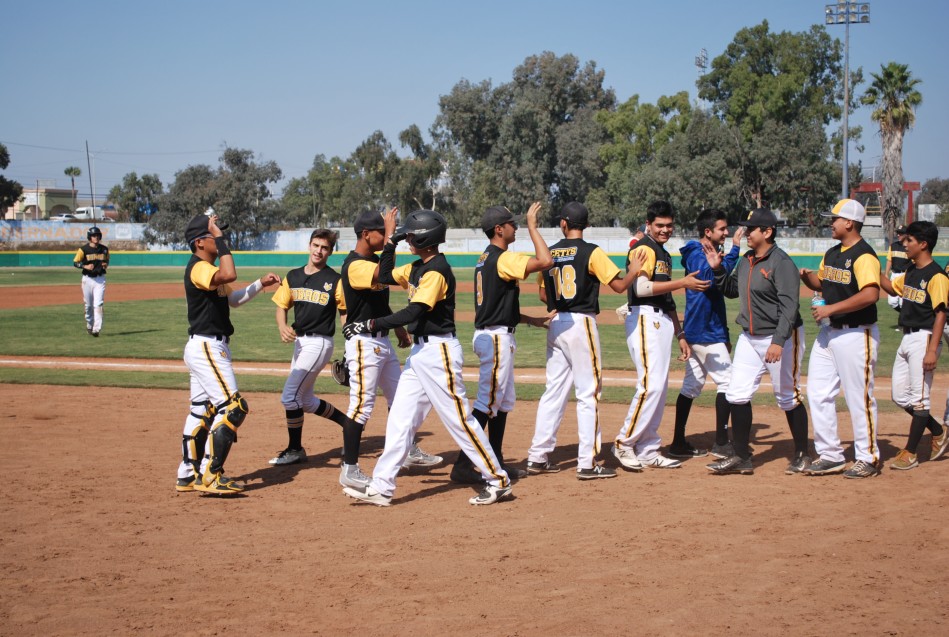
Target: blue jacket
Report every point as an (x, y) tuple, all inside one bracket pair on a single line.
[(705, 320)]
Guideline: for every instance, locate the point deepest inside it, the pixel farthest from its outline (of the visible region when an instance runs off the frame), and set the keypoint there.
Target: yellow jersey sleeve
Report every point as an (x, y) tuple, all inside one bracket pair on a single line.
[(360, 274), (601, 266), (282, 297), (340, 297), (820, 269), (867, 270), (938, 289), (649, 267), (202, 273), (897, 282), (78, 257), (512, 266), (401, 275), (431, 289)]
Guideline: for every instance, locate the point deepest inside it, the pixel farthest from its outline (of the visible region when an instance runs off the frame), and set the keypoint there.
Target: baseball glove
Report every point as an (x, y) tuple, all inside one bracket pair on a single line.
[(341, 372)]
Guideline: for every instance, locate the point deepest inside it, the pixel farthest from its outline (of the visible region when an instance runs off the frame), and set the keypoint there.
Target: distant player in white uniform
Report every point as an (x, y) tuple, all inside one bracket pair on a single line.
[(572, 288), (844, 355), (93, 260), (217, 407), (432, 373), (924, 288), (651, 322), (497, 314)]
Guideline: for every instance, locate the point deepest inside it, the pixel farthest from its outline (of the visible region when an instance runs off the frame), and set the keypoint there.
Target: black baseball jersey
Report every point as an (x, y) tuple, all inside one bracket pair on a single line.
[(846, 271), (96, 254), (364, 300), (208, 311), (497, 291), (899, 262), (431, 283), (924, 293), (658, 267), (314, 299), (573, 283)]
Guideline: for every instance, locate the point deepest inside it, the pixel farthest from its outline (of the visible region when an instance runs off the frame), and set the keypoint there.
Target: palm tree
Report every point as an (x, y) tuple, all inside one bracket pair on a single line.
[(73, 172), (894, 98)]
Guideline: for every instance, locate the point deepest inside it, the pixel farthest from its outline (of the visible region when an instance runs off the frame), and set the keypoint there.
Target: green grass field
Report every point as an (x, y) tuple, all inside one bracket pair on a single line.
[(157, 329)]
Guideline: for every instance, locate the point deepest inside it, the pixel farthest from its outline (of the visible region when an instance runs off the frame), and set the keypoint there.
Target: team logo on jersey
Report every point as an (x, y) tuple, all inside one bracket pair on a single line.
[(915, 295), (655, 324), (327, 286), (564, 254), (847, 263), (837, 275), (482, 259), (922, 284), (662, 267)]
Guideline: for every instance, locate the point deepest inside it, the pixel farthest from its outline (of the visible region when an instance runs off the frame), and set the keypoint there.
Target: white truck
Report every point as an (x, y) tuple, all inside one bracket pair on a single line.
[(90, 213)]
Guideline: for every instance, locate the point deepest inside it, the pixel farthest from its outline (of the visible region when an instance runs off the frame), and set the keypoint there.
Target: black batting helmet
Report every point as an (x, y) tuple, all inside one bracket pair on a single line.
[(427, 228), (93, 232)]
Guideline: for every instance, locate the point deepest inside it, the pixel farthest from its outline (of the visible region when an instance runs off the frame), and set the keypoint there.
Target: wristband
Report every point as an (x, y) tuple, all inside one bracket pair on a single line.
[(681, 334), (222, 249)]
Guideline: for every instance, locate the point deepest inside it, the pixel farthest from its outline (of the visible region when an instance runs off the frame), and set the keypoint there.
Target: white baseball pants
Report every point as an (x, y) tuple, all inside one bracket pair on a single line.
[(373, 365), (749, 366), (495, 347), (708, 360), (573, 360), (844, 359), (93, 296), (432, 378), (310, 355)]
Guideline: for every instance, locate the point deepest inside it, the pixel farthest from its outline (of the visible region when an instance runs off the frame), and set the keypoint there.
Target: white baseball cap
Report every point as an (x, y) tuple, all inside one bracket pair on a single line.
[(848, 209)]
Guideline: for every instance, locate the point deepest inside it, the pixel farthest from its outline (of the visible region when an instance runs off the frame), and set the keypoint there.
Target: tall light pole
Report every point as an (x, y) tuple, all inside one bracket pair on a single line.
[(846, 13)]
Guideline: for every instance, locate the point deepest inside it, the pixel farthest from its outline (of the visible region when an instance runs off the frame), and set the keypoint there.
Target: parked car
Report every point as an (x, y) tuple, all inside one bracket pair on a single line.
[(64, 217)]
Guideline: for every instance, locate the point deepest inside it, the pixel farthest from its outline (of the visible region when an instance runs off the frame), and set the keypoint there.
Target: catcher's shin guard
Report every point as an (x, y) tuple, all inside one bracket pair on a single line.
[(221, 439), (195, 437)]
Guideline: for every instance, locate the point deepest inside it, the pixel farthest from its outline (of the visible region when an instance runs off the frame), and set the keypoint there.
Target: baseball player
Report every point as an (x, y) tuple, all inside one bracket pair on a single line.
[(923, 288), (945, 333), (650, 324), (765, 281), (371, 360), (897, 262), (432, 373), (497, 314), (314, 294), (572, 288), (706, 332), (93, 260), (845, 351), (217, 407)]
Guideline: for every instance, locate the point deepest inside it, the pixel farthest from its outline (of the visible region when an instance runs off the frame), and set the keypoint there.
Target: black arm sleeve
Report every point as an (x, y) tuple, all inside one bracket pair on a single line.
[(387, 264), (409, 314)]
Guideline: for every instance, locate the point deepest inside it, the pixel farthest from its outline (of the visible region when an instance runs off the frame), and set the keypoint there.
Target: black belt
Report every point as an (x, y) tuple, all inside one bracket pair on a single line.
[(510, 328), (424, 338), (912, 330), (314, 334), (652, 307), (844, 326), (214, 337)]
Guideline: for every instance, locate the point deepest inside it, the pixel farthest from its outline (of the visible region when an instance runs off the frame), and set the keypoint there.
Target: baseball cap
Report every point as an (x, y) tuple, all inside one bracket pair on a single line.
[(901, 230), (760, 218), (642, 229), (197, 228), (369, 220), (576, 213), (848, 209), (497, 216)]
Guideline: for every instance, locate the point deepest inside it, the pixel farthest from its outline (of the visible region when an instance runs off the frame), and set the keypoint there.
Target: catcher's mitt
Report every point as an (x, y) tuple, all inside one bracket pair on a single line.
[(341, 372)]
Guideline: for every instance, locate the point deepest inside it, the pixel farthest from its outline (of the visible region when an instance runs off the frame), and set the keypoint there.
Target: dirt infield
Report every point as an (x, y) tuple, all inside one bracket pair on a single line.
[(95, 540)]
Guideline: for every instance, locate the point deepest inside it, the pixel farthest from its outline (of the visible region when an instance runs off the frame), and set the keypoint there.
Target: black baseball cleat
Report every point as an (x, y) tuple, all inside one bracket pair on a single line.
[(96, 334), (732, 464)]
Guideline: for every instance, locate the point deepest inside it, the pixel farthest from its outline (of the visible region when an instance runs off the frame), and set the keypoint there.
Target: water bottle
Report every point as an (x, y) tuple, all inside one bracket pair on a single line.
[(220, 224), (819, 300)]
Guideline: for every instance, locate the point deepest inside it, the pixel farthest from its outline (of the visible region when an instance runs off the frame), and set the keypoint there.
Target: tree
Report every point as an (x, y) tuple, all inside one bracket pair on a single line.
[(72, 172), (894, 98), (137, 198), (242, 195), (189, 194), (10, 191), (936, 191)]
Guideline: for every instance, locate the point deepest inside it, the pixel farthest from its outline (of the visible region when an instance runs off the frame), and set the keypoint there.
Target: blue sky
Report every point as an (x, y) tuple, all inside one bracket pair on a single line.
[(155, 87)]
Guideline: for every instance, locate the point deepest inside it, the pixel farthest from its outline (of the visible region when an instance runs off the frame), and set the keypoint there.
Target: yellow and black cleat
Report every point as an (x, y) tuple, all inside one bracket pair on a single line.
[(185, 484), (219, 484)]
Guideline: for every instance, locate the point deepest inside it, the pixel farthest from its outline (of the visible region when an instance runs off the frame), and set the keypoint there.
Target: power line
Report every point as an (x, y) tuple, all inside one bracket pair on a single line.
[(112, 152)]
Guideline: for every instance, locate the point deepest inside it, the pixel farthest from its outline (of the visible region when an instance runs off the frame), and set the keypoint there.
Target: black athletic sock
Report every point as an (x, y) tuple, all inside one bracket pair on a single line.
[(326, 410), (722, 411), (916, 429), (683, 407), (741, 429), (934, 427), (496, 428), (296, 437), (797, 422), (352, 438)]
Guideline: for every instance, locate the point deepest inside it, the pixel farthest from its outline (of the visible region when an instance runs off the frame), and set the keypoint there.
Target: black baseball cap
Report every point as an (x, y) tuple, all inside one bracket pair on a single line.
[(901, 230), (369, 220), (197, 228), (760, 218), (575, 213), (497, 216)]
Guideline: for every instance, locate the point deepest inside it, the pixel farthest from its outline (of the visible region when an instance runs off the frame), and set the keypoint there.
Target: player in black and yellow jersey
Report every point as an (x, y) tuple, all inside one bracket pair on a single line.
[(93, 260)]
